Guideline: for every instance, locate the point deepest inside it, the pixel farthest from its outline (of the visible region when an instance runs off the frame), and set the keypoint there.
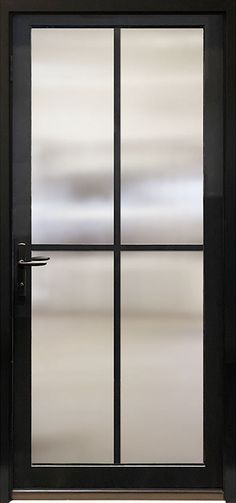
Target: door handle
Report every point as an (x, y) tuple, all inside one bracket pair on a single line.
[(41, 258), (36, 261), (23, 264)]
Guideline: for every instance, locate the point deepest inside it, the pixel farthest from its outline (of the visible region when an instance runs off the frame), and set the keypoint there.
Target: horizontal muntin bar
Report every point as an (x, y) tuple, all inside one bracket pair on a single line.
[(72, 247), (122, 247), (162, 247)]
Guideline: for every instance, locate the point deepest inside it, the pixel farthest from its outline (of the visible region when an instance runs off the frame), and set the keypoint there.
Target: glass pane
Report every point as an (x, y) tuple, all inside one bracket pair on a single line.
[(72, 135), (162, 357), (162, 135), (72, 359)]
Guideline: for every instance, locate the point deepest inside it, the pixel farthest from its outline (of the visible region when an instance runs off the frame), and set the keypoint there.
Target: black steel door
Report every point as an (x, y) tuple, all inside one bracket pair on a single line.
[(117, 138)]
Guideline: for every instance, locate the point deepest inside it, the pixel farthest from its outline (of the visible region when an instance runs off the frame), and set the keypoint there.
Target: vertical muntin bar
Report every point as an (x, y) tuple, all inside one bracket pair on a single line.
[(117, 245)]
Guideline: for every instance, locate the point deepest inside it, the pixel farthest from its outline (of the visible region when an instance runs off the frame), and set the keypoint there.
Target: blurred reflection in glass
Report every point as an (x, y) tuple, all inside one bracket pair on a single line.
[(72, 359), (162, 357), (162, 135), (72, 135)]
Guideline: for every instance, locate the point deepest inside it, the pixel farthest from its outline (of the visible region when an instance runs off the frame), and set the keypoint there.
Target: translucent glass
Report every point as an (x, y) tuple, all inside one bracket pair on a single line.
[(72, 359), (162, 135), (162, 357), (72, 135)]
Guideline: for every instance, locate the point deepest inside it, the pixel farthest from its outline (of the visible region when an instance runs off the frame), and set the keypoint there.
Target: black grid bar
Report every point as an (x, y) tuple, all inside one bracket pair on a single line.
[(117, 246), (71, 247), (162, 247)]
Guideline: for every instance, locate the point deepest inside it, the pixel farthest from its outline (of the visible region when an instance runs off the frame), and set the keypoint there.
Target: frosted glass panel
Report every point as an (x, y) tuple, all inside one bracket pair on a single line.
[(162, 135), (72, 135), (72, 359), (162, 357)]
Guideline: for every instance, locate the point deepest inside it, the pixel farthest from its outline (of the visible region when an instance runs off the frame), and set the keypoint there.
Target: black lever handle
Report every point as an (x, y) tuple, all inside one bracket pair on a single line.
[(31, 263), (23, 264), (41, 258)]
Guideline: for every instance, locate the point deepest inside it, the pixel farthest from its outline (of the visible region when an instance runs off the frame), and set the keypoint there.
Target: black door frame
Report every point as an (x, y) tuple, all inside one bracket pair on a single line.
[(206, 475), (227, 10)]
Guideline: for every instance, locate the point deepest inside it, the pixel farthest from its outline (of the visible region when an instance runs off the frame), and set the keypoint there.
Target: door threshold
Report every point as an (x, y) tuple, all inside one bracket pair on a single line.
[(117, 494)]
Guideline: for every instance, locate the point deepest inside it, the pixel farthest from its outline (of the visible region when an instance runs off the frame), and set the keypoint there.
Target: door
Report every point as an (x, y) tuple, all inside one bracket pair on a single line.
[(117, 227)]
